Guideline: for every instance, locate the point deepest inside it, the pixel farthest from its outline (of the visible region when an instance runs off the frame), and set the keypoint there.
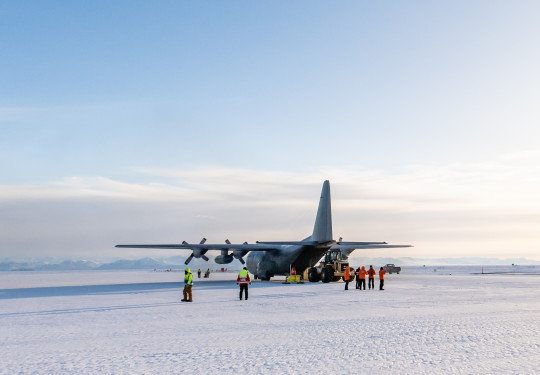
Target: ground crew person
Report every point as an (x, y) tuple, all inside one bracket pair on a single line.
[(199, 273), (371, 279), (188, 284), (361, 278), (243, 280), (381, 278), (347, 277)]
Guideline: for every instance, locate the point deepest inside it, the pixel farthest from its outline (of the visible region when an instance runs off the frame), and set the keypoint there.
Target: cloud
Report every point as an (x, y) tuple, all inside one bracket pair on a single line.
[(487, 209)]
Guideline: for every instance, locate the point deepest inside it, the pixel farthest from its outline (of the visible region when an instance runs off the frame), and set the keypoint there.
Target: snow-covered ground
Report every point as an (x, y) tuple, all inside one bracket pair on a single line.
[(428, 320)]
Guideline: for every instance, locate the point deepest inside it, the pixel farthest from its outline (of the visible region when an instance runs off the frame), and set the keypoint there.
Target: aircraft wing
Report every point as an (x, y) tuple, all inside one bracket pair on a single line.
[(245, 247)]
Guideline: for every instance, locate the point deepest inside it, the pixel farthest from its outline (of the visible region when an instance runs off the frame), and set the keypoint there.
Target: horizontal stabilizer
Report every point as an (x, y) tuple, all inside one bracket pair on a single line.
[(360, 243), (358, 247), (346, 250)]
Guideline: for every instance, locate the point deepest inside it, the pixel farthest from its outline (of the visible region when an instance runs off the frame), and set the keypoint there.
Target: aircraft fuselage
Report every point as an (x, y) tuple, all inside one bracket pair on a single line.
[(266, 264)]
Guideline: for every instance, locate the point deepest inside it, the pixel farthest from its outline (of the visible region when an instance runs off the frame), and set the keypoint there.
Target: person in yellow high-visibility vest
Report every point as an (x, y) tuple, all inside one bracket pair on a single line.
[(188, 284), (243, 280)]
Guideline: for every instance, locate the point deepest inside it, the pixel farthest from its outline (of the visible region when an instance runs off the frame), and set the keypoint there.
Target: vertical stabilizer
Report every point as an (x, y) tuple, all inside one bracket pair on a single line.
[(322, 232)]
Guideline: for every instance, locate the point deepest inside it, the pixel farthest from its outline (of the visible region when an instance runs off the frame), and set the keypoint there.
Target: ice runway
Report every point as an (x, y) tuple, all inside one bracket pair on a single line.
[(131, 322)]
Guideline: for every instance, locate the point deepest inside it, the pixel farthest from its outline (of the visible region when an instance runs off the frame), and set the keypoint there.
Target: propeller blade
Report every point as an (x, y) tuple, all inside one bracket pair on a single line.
[(242, 260), (189, 259), (204, 257)]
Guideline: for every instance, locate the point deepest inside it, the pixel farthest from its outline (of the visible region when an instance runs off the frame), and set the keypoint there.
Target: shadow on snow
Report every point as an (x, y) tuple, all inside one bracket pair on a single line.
[(77, 290)]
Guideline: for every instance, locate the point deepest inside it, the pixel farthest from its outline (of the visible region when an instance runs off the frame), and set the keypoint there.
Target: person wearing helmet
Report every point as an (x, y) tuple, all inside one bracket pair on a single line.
[(188, 284), (243, 280)]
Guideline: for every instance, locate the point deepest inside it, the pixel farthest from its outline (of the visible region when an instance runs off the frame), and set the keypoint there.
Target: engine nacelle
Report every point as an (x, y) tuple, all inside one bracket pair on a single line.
[(239, 253), (224, 259)]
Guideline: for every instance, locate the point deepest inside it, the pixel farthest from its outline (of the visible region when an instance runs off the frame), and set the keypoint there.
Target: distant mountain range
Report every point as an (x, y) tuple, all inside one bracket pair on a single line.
[(177, 262), (122, 264)]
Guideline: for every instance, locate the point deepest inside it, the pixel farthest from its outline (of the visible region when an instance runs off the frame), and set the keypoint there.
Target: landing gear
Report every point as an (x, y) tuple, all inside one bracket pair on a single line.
[(266, 276), (327, 275), (313, 275)]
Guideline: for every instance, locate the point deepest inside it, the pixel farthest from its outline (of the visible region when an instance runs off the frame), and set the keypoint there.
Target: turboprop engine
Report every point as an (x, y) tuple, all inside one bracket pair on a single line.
[(224, 259), (197, 253), (239, 254)]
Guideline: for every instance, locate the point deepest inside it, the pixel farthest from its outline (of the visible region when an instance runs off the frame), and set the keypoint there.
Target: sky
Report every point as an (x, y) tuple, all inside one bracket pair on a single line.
[(163, 121)]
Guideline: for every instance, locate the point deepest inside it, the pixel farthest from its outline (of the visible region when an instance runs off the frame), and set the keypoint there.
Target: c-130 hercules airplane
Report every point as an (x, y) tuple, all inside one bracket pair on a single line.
[(267, 259)]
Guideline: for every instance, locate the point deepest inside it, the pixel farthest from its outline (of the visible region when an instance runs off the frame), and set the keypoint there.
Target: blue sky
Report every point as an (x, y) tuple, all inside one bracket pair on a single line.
[(398, 103)]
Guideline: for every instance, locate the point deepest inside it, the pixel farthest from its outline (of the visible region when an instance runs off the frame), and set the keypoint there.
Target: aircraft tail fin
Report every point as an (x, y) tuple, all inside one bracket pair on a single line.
[(322, 231)]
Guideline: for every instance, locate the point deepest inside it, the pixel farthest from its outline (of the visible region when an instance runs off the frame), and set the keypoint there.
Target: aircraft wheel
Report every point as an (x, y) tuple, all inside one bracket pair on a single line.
[(313, 275), (327, 275)]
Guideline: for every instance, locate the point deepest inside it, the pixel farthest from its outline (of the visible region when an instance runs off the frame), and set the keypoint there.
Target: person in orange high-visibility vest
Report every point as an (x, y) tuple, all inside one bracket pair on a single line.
[(381, 278), (371, 280), (347, 277), (361, 278)]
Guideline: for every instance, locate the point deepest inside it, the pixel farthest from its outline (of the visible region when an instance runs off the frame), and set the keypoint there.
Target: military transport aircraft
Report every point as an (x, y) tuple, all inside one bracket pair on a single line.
[(267, 259)]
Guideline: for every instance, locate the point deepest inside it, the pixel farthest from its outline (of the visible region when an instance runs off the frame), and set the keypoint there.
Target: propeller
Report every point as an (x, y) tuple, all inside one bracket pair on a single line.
[(197, 253), (239, 254)]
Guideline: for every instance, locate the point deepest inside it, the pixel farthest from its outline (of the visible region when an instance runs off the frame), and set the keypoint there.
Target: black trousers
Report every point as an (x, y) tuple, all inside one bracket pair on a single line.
[(381, 285), (244, 288), (346, 284), (371, 283), (360, 283)]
